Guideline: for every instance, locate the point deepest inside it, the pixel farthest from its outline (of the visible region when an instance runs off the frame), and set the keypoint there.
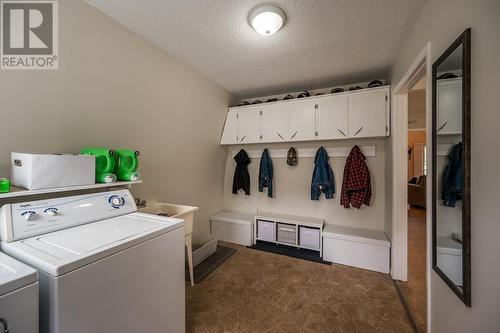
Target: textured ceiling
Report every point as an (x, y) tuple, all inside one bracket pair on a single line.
[(324, 42)]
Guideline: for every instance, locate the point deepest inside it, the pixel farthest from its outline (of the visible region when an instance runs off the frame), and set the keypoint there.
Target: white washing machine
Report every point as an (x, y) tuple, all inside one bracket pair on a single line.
[(18, 297), (103, 267)]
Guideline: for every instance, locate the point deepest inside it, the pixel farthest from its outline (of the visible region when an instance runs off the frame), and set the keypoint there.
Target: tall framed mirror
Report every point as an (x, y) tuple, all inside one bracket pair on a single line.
[(451, 238)]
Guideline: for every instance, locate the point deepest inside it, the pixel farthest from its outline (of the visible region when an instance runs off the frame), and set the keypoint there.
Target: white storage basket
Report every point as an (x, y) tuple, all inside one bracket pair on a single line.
[(287, 233), (309, 238), (266, 231)]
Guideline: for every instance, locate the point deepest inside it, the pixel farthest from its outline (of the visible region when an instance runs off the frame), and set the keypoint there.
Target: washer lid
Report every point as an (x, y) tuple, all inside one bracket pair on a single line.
[(14, 274), (60, 252)]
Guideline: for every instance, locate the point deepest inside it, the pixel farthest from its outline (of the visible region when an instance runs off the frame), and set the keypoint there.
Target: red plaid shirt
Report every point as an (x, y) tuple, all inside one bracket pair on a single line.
[(356, 185)]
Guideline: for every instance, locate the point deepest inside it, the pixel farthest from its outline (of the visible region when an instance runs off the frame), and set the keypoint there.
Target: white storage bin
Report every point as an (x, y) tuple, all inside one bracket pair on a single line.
[(40, 171), (266, 231), (310, 238), (287, 233), (363, 248), (232, 227)]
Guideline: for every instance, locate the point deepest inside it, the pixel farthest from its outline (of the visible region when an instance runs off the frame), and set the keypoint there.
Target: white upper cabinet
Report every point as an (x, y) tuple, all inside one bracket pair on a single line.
[(300, 120), (230, 132), (274, 123), (449, 104), (249, 125), (332, 117), (352, 114), (367, 113)]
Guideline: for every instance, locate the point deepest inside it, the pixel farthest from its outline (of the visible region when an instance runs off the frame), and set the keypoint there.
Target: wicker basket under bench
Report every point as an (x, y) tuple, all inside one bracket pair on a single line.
[(296, 231)]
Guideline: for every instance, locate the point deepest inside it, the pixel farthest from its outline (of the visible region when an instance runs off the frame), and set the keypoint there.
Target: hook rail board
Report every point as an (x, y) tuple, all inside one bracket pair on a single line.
[(443, 149), (368, 151)]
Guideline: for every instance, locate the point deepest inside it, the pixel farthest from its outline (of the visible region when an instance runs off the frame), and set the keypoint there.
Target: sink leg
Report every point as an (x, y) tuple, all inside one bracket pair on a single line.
[(189, 246)]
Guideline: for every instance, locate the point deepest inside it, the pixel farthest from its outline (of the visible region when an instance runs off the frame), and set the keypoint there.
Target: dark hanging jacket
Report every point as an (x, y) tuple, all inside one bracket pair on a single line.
[(452, 180), (322, 177), (241, 179), (356, 183), (266, 173)]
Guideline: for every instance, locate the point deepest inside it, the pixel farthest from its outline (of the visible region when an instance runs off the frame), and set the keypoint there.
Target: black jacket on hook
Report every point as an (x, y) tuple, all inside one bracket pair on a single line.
[(241, 179), (266, 173)]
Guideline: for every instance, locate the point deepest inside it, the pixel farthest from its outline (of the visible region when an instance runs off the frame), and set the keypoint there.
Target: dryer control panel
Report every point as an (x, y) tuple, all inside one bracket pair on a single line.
[(33, 218)]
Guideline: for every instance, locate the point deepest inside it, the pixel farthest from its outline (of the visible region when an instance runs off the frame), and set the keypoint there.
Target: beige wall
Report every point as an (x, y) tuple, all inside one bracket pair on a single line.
[(115, 89), (441, 22), (416, 109), (293, 187)]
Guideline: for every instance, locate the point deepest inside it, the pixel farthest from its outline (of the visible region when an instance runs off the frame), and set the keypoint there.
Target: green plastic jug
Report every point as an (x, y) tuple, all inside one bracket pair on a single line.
[(104, 164), (126, 164)]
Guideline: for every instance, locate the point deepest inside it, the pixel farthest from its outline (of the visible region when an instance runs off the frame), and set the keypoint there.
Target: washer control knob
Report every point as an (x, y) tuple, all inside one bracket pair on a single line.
[(116, 201), (29, 215)]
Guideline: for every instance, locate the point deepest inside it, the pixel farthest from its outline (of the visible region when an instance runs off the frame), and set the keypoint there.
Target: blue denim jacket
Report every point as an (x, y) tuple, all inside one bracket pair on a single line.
[(322, 177), (266, 173)]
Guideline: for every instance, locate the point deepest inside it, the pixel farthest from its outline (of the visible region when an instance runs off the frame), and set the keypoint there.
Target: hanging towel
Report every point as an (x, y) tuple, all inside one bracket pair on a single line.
[(241, 179), (266, 173), (322, 177), (452, 180), (356, 184)]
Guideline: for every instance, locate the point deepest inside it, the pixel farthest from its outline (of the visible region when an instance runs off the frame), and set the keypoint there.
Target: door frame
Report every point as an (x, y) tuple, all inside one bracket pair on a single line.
[(399, 145)]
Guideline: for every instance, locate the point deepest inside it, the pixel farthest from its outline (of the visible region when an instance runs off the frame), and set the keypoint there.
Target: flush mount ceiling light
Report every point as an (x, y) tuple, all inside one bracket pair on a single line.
[(267, 19)]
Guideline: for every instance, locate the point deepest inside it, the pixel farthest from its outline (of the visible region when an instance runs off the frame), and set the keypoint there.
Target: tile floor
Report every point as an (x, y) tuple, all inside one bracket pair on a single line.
[(256, 291), (414, 290)]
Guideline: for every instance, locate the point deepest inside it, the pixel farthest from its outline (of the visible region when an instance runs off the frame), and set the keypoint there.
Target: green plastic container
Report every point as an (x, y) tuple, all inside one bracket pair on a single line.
[(4, 185), (104, 164), (126, 164)]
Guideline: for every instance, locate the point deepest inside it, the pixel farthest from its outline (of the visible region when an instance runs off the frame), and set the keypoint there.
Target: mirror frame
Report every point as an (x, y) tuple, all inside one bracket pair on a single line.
[(465, 41)]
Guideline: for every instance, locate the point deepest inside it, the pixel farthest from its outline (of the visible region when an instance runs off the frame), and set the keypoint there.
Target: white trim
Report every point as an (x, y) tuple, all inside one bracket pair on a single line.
[(368, 151), (428, 119), (399, 270), (416, 129), (399, 267)]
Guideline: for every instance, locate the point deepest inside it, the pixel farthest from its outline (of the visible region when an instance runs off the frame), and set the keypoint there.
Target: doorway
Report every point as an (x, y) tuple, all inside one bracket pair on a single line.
[(414, 289), (411, 156)]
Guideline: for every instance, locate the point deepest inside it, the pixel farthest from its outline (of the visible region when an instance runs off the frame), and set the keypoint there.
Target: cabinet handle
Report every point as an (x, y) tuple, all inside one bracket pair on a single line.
[(5, 326), (243, 138), (338, 129), (282, 138), (294, 134), (442, 126), (358, 131)]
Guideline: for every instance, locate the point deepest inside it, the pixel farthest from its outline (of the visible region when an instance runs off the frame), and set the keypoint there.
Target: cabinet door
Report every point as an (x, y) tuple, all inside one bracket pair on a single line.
[(249, 125), (230, 132), (274, 123), (367, 113), (300, 120), (449, 104), (332, 117)]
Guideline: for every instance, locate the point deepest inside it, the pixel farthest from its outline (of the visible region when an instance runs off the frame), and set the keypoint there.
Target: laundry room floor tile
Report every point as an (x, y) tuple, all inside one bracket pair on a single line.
[(256, 291)]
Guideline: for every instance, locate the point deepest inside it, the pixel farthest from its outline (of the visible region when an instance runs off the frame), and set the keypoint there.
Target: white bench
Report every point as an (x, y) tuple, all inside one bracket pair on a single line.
[(232, 227), (363, 248)]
